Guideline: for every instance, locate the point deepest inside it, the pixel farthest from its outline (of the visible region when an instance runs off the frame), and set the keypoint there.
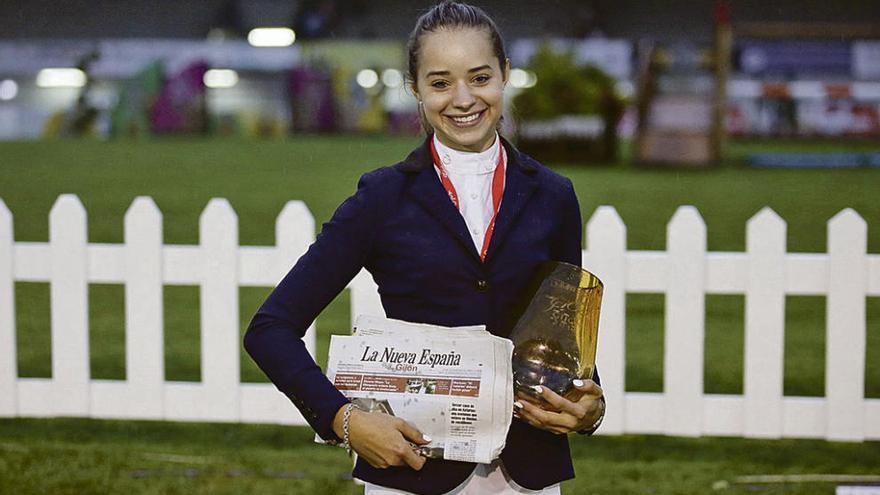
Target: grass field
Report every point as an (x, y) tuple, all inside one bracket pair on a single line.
[(67, 456), (258, 177)]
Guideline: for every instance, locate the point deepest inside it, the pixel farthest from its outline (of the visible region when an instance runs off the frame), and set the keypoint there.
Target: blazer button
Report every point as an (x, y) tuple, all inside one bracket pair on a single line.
[(482, 285)]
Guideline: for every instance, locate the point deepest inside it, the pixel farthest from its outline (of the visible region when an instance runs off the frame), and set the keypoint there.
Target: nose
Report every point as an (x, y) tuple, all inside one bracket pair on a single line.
[(462, 97)]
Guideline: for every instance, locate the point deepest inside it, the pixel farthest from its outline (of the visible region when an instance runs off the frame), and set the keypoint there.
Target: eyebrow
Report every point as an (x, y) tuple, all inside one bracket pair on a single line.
[(446, 72)]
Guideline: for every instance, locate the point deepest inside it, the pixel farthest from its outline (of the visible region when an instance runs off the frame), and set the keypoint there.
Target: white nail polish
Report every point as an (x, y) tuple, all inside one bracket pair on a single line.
[(426, 437), (578, 383), (537, 388), (518, 405)]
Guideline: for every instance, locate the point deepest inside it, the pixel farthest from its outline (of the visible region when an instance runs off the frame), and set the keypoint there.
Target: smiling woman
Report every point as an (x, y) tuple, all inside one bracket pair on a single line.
[(458, 76), (451, 235)]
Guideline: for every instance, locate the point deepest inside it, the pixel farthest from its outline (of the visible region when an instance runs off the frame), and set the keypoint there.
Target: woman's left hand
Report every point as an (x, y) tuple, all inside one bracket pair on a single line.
[(568, 415)]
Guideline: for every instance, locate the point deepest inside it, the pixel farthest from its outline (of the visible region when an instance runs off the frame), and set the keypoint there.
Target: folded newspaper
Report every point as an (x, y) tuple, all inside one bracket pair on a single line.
[(454, 384)]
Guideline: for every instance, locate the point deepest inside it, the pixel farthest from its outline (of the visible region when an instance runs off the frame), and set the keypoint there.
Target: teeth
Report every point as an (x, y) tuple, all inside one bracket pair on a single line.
[(465, 120)]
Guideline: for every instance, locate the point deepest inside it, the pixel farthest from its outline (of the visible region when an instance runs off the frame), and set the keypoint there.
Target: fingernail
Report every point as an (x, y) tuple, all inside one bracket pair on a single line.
[(577, 382), (426, 437), (518, 404), (537, 388)]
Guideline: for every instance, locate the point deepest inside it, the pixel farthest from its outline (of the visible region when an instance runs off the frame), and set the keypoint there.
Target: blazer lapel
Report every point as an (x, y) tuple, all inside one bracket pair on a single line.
[(429, 193), (518, 188)]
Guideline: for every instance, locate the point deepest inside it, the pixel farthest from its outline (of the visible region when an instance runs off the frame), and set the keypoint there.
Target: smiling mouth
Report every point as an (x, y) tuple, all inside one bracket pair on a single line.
[(467, 120)]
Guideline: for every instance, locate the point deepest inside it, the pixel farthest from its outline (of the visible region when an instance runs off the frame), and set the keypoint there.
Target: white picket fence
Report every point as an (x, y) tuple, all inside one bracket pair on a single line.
[(765, 273)]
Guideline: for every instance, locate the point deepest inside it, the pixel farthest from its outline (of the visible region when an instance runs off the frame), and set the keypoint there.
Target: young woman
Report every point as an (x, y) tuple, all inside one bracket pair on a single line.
[(451, 235)]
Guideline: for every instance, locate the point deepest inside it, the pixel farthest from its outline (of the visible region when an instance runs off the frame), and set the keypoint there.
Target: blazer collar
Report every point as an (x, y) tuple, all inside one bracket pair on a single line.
[(426, 189), (420, 158)]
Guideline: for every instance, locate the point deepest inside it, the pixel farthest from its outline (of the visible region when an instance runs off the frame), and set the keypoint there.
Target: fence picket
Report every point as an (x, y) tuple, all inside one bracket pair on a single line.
[(218, 235), (69, 307), (8, 360), (294, 233), (764, 325), (365, 296), (144, 313), (845, 330), (685, 316), (606, 248)]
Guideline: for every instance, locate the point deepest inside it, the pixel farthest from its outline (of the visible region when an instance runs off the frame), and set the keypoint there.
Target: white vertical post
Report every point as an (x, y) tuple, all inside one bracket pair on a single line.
[(764, 325), (845, 327), (294, 233), (69, 307), (365, 298), (218, 234), (606, 243), (685, 319), (144, 339), (8, 359)]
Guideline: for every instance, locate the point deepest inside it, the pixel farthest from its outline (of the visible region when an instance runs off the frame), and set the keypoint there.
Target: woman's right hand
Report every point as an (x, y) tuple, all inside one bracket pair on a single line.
[(381, 439)]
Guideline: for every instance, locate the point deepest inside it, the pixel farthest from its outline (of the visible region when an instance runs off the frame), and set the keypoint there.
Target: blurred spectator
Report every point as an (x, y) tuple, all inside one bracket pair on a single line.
[(181, 106), (82, 117)]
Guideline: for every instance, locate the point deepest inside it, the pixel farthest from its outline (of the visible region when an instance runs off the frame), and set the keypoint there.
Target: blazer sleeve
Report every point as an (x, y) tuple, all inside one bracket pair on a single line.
[(274, 336), (571, 235)]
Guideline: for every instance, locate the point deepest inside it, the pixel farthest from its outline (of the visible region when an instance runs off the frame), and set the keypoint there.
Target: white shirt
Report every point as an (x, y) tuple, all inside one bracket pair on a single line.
[(471, 175)]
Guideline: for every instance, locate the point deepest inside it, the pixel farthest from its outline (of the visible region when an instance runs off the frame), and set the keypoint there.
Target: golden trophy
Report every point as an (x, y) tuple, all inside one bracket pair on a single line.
[(555, 338)]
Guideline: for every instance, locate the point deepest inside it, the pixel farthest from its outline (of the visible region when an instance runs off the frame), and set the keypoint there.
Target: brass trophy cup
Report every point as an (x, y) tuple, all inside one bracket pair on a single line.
[(555, 338)]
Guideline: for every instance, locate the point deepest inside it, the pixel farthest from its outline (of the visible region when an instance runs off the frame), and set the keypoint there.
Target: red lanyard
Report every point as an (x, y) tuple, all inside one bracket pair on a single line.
[(497, 191)]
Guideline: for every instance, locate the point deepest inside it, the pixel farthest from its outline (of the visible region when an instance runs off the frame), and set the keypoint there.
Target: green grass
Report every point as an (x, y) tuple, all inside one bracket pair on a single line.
[(72, 456), (67, 456), (258, 177)]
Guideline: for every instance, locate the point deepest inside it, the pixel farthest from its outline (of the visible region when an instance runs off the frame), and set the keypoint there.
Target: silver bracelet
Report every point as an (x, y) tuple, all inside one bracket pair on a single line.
[(598, 421), (346, 416)]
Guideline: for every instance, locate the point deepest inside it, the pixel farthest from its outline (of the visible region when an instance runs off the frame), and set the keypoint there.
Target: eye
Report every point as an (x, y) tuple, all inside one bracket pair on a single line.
[(482, 78), (439, 84)]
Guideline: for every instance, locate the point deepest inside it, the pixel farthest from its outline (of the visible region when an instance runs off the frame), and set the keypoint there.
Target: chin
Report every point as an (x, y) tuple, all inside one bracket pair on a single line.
[(470, 141)]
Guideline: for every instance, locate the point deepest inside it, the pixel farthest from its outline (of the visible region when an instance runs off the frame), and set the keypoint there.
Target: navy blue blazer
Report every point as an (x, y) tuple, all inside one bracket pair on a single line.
[(401, 226)]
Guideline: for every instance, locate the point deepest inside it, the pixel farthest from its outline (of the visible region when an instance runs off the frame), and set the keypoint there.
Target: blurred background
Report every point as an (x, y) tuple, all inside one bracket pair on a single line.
[(646, 106), (668, 71)]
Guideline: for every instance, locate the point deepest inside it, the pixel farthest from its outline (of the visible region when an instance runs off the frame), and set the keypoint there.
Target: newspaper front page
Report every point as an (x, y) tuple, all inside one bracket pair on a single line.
[(454, 384)]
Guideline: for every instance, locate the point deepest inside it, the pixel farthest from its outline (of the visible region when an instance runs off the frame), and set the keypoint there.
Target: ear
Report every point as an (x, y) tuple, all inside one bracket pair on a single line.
[(415, 90)]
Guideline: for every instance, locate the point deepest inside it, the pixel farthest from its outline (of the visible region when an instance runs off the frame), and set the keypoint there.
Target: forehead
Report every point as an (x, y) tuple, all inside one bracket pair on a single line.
[(456, 50)]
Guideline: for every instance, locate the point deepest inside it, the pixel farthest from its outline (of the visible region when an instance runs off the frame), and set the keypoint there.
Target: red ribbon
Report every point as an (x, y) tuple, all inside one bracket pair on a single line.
[(497, 191)]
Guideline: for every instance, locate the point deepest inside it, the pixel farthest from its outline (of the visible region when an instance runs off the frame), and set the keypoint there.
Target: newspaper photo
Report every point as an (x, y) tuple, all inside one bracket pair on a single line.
[(454, 384)]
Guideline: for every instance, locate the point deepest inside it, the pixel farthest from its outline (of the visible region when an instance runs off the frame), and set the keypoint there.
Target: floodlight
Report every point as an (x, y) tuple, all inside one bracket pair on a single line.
[(392, 78), (531, 79), (520, 78), (271, 37), (220, 78), (517, 78), (367, 78), (61, 78), (8, 89)]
